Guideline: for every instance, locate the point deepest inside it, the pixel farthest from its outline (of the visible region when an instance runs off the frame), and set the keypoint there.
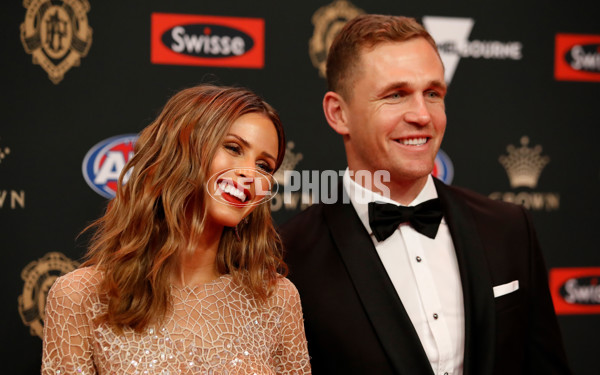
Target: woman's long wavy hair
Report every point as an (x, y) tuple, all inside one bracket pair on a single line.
[(159, 211)]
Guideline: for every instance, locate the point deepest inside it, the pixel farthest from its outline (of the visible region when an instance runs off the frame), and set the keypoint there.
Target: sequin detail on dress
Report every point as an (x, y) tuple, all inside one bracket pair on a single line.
[(214, 329)]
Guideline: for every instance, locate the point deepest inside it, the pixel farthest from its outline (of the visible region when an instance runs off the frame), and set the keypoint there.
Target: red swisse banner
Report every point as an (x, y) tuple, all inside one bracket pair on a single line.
[(184, 39), (577, 57), (575, 290)]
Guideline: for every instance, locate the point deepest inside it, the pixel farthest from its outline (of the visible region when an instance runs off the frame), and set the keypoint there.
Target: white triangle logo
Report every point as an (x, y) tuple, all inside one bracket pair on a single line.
[(452, 36)]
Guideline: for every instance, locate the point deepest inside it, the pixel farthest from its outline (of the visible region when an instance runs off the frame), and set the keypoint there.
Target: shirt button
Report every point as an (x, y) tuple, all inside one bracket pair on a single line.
[(435, 316), (419, 259)]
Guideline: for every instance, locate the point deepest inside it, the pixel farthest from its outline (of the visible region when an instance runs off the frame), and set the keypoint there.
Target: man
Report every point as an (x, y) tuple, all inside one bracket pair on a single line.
[(470, 295)]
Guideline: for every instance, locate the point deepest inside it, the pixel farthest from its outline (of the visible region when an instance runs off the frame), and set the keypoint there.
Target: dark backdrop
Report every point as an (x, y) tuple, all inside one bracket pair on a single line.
[(47, 128)]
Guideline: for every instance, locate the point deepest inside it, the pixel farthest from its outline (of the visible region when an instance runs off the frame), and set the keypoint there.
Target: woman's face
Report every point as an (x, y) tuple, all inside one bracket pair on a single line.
[(240, 173)]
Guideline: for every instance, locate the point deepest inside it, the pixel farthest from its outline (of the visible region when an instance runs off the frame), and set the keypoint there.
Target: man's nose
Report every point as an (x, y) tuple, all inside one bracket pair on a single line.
[(418, 112)]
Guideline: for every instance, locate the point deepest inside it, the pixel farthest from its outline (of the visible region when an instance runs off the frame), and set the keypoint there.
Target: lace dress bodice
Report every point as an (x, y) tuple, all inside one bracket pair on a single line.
[(215, 328)]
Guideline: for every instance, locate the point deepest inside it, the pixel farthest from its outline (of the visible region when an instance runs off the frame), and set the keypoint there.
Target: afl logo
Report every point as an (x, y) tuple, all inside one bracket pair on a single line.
[(443, 168), (184, 39), (104, 162)]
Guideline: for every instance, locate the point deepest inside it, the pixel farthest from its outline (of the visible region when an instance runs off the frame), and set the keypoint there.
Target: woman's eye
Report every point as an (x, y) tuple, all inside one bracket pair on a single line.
[(233, 148), (265, 167)]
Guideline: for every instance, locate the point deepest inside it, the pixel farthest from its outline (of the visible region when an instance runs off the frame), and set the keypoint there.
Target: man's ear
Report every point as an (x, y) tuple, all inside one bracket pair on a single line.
[(334, 108)]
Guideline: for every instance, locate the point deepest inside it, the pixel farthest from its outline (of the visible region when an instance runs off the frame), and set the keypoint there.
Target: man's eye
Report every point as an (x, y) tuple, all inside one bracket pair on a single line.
[(433, 94), (397, 95)]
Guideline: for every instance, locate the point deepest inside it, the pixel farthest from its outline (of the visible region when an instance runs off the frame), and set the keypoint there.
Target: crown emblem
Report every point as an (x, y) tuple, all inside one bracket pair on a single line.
[(524, 165), (290, 159), (328, 21), (4, 151)]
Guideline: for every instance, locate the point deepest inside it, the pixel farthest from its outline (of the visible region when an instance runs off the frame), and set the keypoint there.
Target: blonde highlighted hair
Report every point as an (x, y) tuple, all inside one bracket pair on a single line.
[(160, 209)]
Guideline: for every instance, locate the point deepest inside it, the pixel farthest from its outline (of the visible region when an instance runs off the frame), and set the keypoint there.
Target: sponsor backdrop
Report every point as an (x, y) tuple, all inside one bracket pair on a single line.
[(81, 78)]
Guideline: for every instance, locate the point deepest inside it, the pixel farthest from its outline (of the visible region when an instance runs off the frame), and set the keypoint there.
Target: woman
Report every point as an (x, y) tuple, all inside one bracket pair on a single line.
[(183, 273)]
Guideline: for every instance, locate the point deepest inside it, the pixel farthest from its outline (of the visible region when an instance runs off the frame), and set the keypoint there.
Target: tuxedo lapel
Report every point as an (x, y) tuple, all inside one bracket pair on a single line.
[(477, 286), (375, 290)]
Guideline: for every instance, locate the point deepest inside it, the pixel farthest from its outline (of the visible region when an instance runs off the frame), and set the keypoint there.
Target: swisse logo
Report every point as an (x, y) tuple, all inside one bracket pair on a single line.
[(103, 163), (181, 39), (577, 57), (584, 58), (207, 40), (584, 291), (576, 290), (242, 187)]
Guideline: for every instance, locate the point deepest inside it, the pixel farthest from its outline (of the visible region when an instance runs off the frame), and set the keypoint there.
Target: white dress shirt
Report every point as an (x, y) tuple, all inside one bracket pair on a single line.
[(425, 274)]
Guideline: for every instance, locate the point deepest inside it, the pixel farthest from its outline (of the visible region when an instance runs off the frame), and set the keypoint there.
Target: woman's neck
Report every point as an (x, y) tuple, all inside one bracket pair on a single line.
[(197, 263)]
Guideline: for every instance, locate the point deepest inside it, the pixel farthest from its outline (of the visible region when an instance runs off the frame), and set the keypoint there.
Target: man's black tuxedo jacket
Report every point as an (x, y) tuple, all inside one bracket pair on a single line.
[(356, 324)]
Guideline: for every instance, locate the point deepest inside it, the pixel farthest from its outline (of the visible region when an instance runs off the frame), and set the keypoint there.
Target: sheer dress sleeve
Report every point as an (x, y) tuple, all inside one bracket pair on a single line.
[(291, 354), (67, 346)]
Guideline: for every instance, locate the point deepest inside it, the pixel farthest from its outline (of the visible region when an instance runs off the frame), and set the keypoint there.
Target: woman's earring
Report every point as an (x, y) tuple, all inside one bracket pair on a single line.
[(237, 233), (240, 224)]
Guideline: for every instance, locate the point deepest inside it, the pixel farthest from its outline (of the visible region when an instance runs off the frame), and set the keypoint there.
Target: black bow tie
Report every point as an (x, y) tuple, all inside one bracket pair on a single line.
[(425, 218)]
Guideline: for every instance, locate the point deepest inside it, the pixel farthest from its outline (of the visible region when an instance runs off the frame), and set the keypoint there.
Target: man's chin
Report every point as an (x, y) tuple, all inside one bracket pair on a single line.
[(409, 178)]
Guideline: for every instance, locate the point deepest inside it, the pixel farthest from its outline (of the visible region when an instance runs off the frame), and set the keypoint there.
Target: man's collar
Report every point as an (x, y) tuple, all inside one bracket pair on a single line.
[(361, 197)]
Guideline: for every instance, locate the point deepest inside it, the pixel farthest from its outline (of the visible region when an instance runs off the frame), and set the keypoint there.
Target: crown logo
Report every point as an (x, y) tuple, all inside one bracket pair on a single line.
[(4, 151), (290, 159), (524, 165)]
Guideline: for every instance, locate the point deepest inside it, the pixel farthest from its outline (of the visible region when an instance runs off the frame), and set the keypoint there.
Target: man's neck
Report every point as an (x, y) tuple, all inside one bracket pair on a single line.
[(401, 191), (406, 192)]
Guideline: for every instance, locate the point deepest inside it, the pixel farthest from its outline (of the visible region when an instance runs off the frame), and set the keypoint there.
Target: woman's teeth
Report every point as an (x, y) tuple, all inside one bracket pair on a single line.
[(232, 190)]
